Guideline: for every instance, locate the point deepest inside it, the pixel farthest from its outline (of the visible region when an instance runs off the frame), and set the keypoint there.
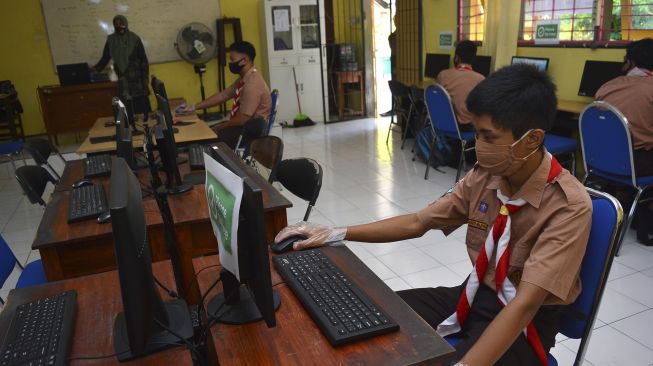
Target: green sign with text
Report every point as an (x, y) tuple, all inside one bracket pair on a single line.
[(547, 31)]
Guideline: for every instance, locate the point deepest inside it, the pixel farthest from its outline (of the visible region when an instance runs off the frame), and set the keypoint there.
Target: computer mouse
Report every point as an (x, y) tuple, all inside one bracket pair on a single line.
[(104, 217), (82, 183), (286, 245)]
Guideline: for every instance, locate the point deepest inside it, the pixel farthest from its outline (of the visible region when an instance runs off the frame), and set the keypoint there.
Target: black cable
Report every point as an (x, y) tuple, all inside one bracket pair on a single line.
[(191, 347), (169, 291)]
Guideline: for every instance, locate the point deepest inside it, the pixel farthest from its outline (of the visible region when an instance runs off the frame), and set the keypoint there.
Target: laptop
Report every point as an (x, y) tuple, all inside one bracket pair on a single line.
[(74, 74)]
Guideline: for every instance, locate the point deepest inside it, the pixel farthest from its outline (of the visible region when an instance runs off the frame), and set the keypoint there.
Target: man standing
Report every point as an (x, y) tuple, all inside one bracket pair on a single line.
[(130, 62)]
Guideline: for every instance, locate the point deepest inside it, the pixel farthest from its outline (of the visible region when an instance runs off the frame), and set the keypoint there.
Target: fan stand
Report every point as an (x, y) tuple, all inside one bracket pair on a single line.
[(200, 69)]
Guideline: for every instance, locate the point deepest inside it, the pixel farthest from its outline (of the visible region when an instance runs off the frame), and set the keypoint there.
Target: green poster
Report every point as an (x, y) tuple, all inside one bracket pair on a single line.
[(221, 209)]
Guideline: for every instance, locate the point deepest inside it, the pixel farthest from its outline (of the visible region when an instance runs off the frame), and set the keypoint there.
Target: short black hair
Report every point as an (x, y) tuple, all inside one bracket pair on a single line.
[(244, 47), (466, 50), (517, 98), (641, 53)]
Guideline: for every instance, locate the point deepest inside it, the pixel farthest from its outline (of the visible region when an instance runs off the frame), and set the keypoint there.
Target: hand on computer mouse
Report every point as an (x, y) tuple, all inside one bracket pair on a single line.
[(316, 235), (185, 108)]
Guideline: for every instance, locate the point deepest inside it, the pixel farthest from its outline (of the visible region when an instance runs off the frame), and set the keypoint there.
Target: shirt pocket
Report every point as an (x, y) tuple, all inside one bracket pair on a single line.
[(477, 231), (519, 254)]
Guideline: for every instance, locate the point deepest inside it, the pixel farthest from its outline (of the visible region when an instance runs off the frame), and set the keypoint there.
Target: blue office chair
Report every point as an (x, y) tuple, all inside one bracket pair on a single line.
[(608, 153), (577, 319), (9, 149), (444, 122), (273, 112), (32, 274), (560, 145)]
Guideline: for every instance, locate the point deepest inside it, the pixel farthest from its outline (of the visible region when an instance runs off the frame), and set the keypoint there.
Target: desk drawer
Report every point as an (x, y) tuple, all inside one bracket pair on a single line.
[(283, 61)]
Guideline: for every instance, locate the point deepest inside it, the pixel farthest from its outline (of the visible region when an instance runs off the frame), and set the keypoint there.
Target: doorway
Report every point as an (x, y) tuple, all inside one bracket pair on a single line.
[(382, 27)]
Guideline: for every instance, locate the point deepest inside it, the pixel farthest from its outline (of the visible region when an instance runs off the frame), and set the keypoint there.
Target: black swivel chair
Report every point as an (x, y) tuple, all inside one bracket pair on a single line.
[(303, 178), (33, 180), (41, 149), (267, 151)]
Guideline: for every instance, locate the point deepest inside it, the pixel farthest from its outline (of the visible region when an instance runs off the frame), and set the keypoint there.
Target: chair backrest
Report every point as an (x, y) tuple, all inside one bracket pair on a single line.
[(302, 177), (273, 112), (7, 261), (33, 180), (606, 141), (268, 151), (40, 149), (253, 129), (398, 89), (441, 113), (578, 318)]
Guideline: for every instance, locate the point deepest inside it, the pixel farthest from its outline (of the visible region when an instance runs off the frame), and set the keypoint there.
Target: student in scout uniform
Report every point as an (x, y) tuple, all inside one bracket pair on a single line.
[(129, 61), (632, 95), (460, 80), (250, 92), (516, 184)]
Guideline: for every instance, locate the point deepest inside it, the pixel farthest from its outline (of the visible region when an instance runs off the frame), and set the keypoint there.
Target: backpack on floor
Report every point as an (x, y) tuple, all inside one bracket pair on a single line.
[(442, 154)]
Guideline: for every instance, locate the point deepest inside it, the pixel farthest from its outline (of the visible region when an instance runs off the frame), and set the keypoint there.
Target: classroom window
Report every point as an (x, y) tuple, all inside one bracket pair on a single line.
[(471, 20), (614, 20)]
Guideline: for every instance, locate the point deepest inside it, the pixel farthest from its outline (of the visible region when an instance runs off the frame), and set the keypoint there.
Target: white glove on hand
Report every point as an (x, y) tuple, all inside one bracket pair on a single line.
[(316, 235)]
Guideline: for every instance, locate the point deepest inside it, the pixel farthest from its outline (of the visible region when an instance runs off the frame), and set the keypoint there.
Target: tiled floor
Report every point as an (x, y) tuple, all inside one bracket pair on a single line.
[(365, 179)]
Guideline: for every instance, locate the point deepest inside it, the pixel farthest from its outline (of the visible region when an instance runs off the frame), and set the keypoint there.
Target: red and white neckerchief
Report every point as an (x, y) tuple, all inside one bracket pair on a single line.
[(465, 67), (239, 90), (499, 238), (636, 71)]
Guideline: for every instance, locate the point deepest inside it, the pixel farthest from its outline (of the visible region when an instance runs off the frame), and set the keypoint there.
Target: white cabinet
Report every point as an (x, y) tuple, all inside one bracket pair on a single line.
[(293, 29)]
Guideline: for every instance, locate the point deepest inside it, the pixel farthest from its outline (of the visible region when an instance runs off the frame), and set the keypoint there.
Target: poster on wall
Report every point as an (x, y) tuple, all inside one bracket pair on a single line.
[(547, 32), (446, 40)]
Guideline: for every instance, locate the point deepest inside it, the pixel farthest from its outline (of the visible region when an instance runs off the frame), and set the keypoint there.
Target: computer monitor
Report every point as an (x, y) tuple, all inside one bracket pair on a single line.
[(167, 151), (125, 97), (597, 73), (146, 324), (482, 65), (256, 299), (542, 64), (436, 62), (124, 144), (158, 87), (163, 107)]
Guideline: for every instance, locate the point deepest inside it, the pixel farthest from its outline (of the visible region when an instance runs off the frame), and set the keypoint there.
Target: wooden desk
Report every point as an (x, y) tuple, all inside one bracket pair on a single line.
[(98, 303), (570, 106), (74, 108), (296, 339), (86, 247), (350, 77), (198, 132)]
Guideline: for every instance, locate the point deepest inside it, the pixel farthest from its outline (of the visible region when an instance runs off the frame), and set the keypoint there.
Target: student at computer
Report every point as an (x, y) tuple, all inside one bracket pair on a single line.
[(460, 80), (632, 94), (250, 92), (518, 184), (126, 50)]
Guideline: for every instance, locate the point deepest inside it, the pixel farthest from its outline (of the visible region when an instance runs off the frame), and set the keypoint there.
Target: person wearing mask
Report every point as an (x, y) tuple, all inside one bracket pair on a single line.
[(632, 95), (460, 80), (130, 63), (250, 93), (528, 222)]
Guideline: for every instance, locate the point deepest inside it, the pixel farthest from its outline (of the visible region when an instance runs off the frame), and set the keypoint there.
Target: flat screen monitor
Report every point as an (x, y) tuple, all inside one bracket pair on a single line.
[(158, 87), (163, 107), (256, 298), (482, 64), (542, 64), (167, 153), (145, 323), (435, 62), (597, 73)]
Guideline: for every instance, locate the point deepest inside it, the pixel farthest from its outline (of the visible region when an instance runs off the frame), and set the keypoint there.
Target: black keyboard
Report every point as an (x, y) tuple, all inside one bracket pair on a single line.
[(97, 165), (196, 155), (101, 139), (40, 332), (343, 311), (87, 202)]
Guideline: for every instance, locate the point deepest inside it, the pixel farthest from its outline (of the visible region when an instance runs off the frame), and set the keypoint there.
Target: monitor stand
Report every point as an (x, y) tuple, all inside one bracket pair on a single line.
[(239, 308), (159, 339)]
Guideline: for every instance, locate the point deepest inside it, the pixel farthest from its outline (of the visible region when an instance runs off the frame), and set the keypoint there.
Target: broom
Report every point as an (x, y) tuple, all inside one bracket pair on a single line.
[(300, 119)]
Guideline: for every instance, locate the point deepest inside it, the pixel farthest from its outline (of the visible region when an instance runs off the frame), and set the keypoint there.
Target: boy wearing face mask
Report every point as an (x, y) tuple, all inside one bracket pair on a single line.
[(528, 225), (250, 92)]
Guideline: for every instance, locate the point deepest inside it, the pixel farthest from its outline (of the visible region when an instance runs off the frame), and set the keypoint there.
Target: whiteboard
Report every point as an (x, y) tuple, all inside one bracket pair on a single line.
[(78, 29)]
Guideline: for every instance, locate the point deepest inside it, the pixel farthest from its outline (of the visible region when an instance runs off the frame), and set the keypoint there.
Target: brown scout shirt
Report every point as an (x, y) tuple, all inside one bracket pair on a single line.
[(255, 99), (632, 96), (549, 234), (459, 83)]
